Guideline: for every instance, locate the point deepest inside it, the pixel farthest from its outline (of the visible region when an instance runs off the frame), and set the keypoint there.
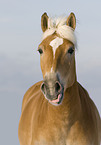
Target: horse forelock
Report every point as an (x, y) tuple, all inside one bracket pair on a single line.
[(60, 27)]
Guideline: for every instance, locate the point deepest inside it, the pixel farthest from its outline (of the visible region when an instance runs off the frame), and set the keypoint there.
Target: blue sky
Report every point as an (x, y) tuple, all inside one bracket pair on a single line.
[(20, 34)]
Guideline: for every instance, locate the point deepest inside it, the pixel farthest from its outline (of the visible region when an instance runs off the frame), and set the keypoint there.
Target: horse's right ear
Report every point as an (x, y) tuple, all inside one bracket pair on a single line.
[(44, 22)]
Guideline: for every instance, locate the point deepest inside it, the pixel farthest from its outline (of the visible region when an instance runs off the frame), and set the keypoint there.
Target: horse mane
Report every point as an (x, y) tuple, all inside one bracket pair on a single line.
[(59, 26)]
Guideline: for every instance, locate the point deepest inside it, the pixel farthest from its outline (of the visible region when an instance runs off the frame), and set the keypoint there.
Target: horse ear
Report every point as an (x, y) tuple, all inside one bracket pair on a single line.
[(44, 22), (71, 21)]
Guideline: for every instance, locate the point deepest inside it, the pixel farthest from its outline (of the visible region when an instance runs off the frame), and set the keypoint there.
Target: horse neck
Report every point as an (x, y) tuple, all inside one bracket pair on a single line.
[(70, 107)]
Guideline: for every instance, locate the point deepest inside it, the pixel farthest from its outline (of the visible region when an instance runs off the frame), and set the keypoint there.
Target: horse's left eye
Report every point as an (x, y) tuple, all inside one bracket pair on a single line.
[(71, 50)]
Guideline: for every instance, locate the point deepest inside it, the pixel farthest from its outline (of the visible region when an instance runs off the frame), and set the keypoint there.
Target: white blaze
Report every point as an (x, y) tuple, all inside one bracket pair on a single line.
[(51, 69), (55, 44)]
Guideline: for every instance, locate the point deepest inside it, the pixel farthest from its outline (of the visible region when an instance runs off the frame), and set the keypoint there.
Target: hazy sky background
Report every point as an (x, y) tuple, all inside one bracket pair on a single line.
[(20, 34)]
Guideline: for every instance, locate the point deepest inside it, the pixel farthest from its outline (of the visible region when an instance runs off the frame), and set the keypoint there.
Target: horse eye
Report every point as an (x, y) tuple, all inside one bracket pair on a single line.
[(71, 50), (40, 50)]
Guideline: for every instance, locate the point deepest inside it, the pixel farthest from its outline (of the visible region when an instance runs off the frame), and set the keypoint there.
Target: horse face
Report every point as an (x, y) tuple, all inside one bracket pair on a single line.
[(57, 58)]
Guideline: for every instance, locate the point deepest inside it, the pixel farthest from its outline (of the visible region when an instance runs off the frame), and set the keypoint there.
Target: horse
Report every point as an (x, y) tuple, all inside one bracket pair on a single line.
[(58, 110)]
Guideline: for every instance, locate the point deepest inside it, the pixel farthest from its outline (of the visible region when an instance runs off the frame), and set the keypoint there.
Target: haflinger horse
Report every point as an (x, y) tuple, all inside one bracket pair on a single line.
[(58, 110)]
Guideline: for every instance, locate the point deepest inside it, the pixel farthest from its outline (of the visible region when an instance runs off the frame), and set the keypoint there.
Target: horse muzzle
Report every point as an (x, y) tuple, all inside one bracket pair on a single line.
[(52, 89)]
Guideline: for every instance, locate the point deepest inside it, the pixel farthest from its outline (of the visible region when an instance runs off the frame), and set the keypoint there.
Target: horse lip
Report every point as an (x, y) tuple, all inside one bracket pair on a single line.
[(58, 100)]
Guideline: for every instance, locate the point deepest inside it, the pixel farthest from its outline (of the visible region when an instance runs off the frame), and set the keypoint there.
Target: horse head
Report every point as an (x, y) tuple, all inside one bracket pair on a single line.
[(57, 56)]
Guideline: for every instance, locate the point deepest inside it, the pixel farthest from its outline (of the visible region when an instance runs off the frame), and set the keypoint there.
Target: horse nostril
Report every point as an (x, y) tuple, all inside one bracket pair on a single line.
[(43, 88), (57, 87)]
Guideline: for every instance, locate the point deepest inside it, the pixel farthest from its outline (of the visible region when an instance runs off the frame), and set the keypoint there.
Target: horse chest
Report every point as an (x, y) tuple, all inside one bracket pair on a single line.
[(55, 131), (49, 133)]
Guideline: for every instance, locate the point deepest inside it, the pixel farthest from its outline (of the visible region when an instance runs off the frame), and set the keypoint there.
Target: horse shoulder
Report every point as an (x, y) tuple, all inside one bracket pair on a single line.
[(90, 116), (31, 91), (87, 101), (30, 98)]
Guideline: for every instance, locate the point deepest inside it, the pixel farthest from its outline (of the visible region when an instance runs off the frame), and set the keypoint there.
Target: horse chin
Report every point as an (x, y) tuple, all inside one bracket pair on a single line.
[(57, 101)]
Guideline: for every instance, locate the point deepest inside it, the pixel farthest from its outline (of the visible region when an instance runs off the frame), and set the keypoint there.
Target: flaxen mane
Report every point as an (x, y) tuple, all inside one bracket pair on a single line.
[(59, 26)]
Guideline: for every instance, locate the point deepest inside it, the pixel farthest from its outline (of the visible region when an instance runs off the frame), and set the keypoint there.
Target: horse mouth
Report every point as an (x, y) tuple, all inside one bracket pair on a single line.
[(53, 90), (57, 101)]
